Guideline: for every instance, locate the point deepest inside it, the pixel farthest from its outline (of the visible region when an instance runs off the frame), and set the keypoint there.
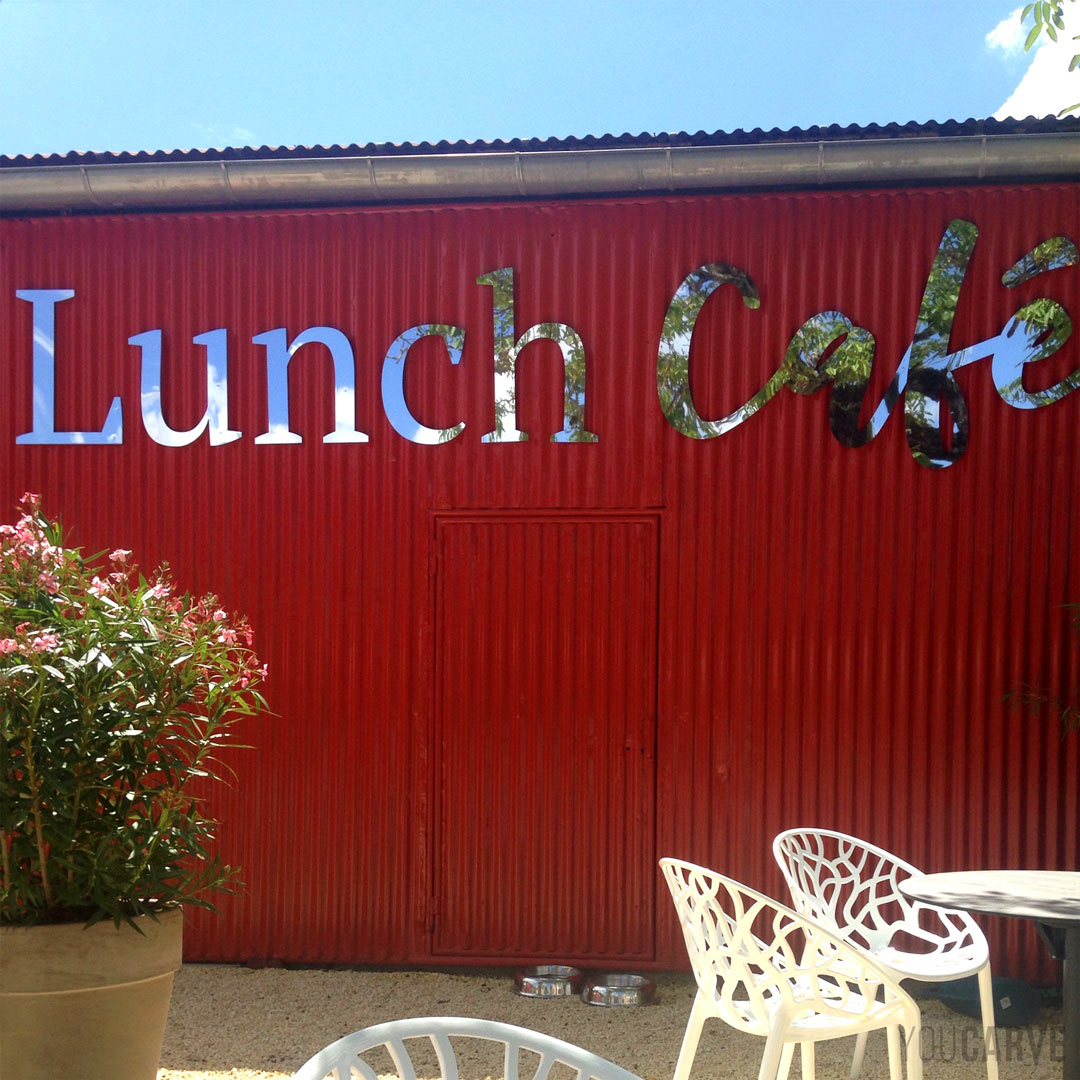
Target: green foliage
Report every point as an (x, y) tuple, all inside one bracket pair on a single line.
[(1036, 699), (1048, 17), (116, 694)]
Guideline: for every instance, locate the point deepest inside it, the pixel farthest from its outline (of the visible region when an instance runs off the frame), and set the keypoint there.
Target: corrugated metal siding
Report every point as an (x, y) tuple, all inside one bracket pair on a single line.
[(836, 628)]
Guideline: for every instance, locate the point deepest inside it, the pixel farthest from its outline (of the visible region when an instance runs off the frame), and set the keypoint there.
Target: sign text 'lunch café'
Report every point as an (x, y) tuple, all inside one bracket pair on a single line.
[(827, 349)]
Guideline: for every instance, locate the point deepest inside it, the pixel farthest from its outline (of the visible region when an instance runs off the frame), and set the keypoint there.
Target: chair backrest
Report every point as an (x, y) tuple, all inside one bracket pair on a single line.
[(443, 1037), (751, 956), (853, 887)]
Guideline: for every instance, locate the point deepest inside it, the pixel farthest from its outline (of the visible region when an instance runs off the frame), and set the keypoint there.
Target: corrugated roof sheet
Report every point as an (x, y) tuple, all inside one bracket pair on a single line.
[(739, 137)]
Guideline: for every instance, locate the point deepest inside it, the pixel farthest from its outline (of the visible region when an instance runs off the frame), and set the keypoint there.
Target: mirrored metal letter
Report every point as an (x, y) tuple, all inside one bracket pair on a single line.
[(927, 363), (673, 357), (278, 354), (393, 382), (1042, 319), (216, 416), (1035, 332), (44, 431), (507, 350), (1052, 254), (847, 365)]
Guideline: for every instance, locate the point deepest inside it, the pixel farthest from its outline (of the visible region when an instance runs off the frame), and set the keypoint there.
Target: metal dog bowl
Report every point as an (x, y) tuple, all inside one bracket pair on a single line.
[(618, 989), (547, 981)]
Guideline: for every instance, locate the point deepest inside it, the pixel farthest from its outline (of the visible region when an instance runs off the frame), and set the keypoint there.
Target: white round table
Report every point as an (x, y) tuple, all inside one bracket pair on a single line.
[(1050, 898)]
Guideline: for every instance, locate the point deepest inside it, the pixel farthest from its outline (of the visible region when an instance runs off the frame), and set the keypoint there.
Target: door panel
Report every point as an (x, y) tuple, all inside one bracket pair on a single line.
[(545, 736)]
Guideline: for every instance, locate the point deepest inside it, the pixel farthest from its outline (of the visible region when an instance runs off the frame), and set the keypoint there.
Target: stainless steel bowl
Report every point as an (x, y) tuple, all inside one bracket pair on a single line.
[(547, 981), (618, 988)]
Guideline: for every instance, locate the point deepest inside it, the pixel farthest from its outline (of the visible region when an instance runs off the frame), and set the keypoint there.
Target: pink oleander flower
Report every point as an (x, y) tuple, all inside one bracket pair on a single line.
[(158, 591), (220, 616), (227, 636), (120, 555), (48, 582), (98, 587), (31, 499), (45, 642), (8, 645)]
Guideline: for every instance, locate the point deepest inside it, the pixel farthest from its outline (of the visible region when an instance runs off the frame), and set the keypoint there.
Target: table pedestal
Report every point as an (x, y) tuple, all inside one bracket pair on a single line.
[(1064, 945), (1070, 1004)]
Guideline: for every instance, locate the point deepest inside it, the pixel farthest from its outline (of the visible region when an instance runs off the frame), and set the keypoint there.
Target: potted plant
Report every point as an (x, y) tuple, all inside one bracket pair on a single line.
[(116, 694)]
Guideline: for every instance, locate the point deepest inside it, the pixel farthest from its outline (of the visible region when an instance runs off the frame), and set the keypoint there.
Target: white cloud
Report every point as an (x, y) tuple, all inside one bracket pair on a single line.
[(1009, 34), (1047, 86)]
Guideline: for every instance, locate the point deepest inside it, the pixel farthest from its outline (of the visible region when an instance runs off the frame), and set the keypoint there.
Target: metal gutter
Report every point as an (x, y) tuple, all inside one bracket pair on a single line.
[(204, 185)]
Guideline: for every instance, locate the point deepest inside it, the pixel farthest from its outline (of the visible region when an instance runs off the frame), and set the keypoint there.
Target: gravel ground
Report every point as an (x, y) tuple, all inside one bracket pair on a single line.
[(236, 1023)]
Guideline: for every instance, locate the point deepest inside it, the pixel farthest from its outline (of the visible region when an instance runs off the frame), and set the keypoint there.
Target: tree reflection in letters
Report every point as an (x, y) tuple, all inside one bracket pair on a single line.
[(1037, 330), (931, 384), (673, 359), (1053, 254), (507, 350), (924, 375), (828, 347), (848, 367)]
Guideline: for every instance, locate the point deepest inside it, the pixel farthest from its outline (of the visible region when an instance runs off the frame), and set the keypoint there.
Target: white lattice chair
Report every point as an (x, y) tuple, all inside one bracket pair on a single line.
[(435, 1043), (765, 969), (852, 887)]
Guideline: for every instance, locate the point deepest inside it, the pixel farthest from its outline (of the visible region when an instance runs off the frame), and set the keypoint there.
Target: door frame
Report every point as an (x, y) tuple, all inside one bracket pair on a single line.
[(428, 823)]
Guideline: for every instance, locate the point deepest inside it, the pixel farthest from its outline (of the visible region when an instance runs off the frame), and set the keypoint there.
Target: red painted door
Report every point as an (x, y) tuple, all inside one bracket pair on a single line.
[(545, 736)]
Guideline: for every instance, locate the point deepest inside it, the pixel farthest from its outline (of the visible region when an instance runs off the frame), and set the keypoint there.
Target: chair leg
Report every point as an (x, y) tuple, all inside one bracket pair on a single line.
[(860, 1052), (698, 1015), (892, 1033), (914, 1051), (807, 1061), (986, 1001), (785, 1061), (775, 1052)]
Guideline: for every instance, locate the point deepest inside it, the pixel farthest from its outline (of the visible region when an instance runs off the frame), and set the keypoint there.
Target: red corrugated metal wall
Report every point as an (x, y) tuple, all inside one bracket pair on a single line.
[(833, 630)]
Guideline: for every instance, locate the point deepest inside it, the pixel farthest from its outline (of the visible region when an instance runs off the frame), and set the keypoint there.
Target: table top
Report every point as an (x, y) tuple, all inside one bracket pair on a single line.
[(1047, 896)]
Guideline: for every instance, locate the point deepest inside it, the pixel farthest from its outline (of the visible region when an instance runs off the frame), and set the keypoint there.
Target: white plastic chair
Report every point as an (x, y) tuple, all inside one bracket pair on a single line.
[(344, 1059), (764, 969), (852, 887)]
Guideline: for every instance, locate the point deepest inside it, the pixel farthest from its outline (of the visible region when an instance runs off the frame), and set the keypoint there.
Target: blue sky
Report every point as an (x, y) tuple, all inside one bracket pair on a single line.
[(125, 75)]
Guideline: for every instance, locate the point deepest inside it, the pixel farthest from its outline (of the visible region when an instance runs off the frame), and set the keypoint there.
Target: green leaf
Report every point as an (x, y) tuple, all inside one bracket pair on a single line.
[(1051, 31), (1033, 36), (1026, 12)]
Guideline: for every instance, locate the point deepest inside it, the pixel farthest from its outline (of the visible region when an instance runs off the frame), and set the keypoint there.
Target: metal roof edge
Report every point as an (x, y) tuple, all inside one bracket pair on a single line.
[(559, 173)]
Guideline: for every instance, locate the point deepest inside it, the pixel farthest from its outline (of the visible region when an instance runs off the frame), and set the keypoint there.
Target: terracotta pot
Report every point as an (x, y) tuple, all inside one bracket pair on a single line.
[(85, 1003)]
